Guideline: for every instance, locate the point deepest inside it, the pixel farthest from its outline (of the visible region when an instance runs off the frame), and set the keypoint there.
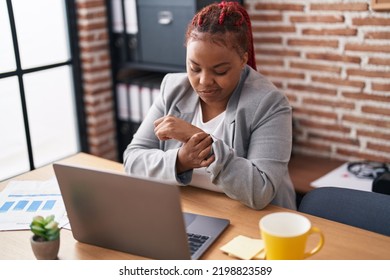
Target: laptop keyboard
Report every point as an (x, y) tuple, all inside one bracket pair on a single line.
[(195, 241)]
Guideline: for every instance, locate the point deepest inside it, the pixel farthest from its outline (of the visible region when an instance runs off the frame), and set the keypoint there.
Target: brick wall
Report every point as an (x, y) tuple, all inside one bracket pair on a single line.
[(332, 59), (97, 81)]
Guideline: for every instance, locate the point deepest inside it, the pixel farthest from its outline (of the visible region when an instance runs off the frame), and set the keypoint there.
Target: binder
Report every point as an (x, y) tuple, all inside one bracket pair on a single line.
[(140, 96), (122, 102), (124, 16), (125, 30)]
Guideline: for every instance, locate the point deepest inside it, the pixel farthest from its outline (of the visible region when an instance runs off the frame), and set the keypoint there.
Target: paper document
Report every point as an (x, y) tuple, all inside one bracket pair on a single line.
[(20, 201), (341, 177)]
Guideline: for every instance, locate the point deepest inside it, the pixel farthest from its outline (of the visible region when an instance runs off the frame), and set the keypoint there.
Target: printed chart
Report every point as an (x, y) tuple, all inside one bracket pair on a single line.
[(20, 201)]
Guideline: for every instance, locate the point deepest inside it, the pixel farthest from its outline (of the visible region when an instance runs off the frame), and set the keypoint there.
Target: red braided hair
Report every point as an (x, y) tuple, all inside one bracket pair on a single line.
[(228, 22)]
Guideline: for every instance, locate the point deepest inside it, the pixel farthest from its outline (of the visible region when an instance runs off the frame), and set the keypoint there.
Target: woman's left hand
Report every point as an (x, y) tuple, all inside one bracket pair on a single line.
[(170, 127)]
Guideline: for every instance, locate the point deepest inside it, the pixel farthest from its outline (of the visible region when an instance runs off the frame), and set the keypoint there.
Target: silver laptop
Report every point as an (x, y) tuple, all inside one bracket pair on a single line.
[(133, 215)]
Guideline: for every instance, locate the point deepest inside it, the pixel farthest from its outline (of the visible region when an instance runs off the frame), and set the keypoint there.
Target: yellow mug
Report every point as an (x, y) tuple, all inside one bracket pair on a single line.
[(285, 235)]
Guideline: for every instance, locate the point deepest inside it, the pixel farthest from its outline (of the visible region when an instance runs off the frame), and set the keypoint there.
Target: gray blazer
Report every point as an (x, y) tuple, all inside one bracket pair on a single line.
[(251, 160)]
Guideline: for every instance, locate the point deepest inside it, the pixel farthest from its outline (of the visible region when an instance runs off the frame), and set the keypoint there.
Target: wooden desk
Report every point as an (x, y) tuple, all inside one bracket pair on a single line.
[(305, 169), (341, 241)]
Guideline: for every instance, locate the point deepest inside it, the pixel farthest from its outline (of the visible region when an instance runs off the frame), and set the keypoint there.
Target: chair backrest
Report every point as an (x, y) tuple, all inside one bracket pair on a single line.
[(366, 210)]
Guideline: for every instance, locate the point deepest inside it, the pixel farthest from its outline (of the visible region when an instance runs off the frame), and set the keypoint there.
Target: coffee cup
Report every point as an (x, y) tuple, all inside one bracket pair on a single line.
[(285, 235)]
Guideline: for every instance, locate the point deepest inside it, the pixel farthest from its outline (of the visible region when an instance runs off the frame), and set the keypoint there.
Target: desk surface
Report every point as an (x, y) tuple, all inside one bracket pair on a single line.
[(341, 241), (305, 169)]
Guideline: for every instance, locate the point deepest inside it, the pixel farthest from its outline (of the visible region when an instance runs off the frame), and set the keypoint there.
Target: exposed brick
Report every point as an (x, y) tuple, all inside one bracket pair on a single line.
[(283, 52), (274, 29), (339, 7), (315, 146), (91, 49), (317, 18), (265, 17), (366, 121), (338, 82), (92, 26), (331, 138), (380, 86), (95, 15), (330, 32), (282, 74), (93, 37), (378, 35), (357, 154), (372, 134), (376, 110), (356, 58), (313, 43), (379, 61), (371, 21), (334, 57), (279, 7), (273, 62), (291, 97), (100, 91), (267, 40), (98, 116), (96, 79), (101, 133), (367, 73), (278, 84), (316, 67), (324, 126), (368, 48), (366, 96), (312, 89), (333, 104), (90, 68), (88, 4), (317, 113), (378, 147)]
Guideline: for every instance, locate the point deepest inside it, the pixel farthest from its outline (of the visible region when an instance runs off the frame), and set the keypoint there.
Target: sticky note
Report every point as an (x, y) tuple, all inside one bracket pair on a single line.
[(244, 247)]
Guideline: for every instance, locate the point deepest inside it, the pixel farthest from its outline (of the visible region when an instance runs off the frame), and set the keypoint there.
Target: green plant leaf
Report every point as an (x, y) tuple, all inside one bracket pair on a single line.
[(52, 224), (38, 220), (49, 218), (54, 236), (39, 231)]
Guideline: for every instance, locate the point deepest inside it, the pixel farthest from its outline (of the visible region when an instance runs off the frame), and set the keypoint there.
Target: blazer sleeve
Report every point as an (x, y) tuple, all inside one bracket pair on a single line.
[(255, 171), (144, 156)]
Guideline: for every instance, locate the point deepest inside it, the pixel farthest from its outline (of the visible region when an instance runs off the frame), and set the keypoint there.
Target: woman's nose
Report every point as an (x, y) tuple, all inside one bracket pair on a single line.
[(206, 79)]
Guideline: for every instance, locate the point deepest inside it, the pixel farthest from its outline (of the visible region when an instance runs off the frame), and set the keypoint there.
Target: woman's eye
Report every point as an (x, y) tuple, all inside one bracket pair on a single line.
[(221, 73), (195, 70)]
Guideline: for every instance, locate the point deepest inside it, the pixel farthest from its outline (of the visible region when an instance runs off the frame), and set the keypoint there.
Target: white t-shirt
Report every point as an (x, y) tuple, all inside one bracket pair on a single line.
[(200, 178)]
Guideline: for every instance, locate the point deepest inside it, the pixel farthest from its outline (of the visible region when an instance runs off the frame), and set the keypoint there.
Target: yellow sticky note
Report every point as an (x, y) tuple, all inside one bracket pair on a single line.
[(244, 247), (260, 256)]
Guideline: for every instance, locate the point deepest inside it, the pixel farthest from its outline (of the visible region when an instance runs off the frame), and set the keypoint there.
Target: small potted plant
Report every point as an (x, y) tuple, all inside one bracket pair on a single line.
[(45, 242)]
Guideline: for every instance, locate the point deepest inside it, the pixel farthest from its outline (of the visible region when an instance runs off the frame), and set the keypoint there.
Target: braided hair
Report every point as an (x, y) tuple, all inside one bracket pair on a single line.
[(224, 23)]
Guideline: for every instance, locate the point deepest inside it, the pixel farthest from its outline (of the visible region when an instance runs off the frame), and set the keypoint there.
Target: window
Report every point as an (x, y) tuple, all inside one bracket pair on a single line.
[(40, 116)]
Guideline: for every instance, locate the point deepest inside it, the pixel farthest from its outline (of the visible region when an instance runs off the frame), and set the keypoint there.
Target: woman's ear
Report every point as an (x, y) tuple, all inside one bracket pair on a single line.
[(244, 60)]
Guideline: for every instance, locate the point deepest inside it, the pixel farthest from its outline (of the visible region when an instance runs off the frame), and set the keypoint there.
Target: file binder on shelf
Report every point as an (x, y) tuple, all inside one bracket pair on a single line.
[(125, 30), (134, 98)]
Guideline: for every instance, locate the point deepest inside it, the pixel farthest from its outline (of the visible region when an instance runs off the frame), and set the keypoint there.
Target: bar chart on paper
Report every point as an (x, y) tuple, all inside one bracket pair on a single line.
[(22, 200)]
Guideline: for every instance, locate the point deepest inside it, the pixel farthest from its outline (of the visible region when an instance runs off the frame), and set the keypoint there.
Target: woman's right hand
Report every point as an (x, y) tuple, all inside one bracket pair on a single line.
[(195, 153), (170, 127)]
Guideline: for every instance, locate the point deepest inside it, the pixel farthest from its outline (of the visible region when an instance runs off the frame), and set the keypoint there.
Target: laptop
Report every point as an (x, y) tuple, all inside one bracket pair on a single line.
[(133, 215)]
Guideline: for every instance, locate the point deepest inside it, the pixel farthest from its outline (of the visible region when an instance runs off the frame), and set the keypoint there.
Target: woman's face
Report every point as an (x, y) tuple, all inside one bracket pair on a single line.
[(213, 70)]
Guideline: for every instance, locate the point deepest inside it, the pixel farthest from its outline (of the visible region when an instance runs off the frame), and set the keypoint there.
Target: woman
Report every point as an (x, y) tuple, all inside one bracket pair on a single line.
[(221, 125)]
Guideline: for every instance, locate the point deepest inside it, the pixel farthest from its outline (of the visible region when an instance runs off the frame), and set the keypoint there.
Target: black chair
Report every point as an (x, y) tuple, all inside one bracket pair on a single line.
[(366, 210)]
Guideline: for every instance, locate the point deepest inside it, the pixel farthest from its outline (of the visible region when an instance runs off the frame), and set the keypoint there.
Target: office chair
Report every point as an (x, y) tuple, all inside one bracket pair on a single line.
[(366, 210)]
